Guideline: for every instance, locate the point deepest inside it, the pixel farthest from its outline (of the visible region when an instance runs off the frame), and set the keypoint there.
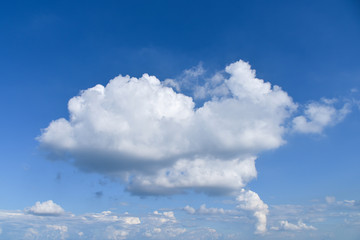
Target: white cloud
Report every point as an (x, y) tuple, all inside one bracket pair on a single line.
[(164, 225), (319, 115), (159, 143), (173, 232), (108, 216), (116, 234), (60, 228), (285, 225), (189, 209), (131, 220), (163, 217), (157, 230), (31, 233), (348, 203), (330, 199), (204, 210), (251, 201), (45, 208)]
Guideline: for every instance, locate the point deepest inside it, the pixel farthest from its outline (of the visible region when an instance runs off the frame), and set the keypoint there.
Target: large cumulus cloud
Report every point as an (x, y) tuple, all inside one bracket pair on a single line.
[(159, 142)]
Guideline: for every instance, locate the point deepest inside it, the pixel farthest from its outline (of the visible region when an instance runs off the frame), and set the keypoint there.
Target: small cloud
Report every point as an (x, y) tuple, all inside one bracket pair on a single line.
[(113, 233), (48, 208), (348, 203), (131, 220), (286, 226), (205, 211), (60, 228), (189, 209), (319, 115), (164, 217), (330, 199)]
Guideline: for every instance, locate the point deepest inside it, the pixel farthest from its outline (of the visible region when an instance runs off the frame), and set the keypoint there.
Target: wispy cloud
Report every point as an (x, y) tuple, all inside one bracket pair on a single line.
[(286, 226)]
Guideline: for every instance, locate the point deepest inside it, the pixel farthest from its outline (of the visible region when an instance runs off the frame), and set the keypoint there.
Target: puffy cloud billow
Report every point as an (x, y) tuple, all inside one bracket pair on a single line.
[(48, 208), (159, 142), (318, 115)]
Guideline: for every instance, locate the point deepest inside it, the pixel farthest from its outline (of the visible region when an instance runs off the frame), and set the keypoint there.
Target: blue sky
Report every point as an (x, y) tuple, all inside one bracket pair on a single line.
[(204, 149)]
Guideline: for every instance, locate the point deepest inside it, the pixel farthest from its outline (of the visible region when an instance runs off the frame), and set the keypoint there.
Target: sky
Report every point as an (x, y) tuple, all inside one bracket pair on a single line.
[(180, 119)]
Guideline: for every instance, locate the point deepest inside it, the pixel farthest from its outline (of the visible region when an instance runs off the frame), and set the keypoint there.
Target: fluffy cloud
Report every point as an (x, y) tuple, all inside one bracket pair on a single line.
[(318, 115), (285, 225), (251, 201), (159, 143), (45, 208)]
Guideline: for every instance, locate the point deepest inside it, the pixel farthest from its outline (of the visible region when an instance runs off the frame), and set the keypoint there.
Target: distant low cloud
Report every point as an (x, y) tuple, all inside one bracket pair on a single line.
[(330, 199), (61, 229), (173, 224), (286, 226), (108, 216), (204, 210), (45, 208)]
